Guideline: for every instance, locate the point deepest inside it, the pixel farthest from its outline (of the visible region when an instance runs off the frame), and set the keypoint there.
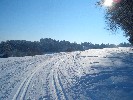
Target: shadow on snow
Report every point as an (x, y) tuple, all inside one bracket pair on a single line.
[(109, 83)]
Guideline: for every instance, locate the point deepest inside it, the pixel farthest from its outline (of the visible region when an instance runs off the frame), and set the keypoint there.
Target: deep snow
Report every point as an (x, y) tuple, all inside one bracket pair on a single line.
[(95, 74)]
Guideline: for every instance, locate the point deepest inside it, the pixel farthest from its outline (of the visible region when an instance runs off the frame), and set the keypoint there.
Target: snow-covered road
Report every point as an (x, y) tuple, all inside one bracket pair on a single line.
[(95, 74)]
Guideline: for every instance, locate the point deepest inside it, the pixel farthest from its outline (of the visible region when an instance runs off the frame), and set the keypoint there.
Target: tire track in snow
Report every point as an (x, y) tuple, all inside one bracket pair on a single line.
[(22, 90), (27, 84), (60, 91), (64, 76), (19, 89), (59, 87), (57, 91), (51, 83), (51, 91), (63, 90)]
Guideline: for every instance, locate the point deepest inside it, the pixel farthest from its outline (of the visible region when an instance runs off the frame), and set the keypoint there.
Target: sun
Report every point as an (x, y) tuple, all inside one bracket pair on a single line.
[(108, 3)]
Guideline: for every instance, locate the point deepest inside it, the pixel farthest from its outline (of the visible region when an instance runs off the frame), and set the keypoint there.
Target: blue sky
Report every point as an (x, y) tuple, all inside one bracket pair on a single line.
[(72, 20)]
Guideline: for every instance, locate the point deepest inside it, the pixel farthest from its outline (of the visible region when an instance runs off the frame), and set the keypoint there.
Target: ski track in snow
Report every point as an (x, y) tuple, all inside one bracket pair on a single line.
[(24, 86), (22, 90), (57, 83), (95, 74)]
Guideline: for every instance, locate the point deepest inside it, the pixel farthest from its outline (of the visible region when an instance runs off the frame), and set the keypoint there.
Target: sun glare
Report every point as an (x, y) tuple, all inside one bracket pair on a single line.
[(108, 2)]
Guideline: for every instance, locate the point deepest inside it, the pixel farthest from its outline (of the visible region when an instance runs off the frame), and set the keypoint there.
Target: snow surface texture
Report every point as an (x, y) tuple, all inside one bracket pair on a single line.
[(95, 74)]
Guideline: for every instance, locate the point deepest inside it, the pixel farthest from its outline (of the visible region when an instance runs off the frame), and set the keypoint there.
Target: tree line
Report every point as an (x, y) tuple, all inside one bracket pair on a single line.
[(20, 48)]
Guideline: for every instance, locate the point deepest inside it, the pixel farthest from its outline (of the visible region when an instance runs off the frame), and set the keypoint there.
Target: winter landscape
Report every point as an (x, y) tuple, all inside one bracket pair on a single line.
[(85, 51), (94, 74)]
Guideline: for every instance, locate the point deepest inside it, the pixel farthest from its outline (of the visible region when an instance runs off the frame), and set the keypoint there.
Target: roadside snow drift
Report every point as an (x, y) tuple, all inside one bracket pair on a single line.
[(95, 74)]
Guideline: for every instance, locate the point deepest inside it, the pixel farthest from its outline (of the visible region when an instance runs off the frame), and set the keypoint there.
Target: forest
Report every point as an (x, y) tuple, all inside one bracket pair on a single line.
[(20, 48)]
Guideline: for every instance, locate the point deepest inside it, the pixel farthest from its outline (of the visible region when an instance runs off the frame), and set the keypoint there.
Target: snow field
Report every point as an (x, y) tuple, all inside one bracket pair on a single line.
[(95, 74)]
